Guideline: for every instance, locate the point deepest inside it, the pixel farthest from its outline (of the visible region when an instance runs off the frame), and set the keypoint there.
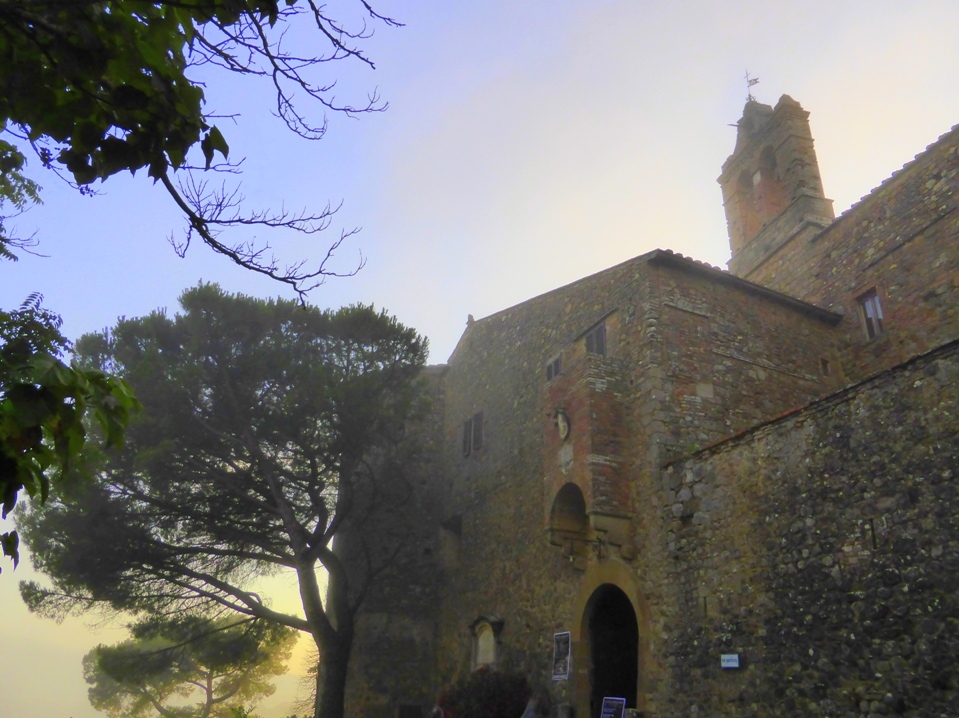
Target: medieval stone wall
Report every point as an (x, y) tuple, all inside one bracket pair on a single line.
[(900, 239), (731, 359), (682, 349), (504, 567), (826, 555)]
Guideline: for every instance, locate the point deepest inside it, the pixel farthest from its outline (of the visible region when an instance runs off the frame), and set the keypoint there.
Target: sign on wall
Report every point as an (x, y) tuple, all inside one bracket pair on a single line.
[(729, 660), (613, 707), (561, 646)]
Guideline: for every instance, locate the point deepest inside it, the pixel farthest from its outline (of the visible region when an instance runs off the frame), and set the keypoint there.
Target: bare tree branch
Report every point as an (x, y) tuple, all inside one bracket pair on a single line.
[(208, 212)]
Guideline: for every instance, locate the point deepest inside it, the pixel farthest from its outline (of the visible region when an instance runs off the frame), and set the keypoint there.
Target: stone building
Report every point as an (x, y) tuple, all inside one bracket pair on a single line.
[(734, 490)]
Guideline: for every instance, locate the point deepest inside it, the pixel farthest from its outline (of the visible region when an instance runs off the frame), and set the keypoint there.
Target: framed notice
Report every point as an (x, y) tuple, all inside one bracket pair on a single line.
[(613, 707), (561, 656)]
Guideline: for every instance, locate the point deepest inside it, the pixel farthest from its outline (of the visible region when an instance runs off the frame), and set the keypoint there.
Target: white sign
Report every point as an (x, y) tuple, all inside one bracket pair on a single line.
[(729, 660)]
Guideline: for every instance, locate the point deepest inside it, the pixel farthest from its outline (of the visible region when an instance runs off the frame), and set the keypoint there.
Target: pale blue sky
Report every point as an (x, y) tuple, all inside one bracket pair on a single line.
[(526, 145)]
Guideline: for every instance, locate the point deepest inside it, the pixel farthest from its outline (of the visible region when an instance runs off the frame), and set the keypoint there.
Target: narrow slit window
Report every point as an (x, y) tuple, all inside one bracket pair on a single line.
[(477, 431), (473, 433), (871, 311), (467, 437)]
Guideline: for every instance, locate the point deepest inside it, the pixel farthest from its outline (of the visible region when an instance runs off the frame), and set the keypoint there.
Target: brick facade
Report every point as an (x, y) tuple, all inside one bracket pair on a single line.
[(669, 451)]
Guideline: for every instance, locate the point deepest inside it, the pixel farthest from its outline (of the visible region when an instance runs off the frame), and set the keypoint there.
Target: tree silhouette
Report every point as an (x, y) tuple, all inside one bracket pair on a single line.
[(188, 667), (267, 430)]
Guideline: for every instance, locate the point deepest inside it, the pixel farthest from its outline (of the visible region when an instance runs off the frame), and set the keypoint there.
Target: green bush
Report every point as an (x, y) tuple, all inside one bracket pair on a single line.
[(487, 694)]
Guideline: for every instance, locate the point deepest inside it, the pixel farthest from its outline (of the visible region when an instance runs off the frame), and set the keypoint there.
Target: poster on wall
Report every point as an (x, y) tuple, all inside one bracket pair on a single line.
[(561, 656), (613, 707)]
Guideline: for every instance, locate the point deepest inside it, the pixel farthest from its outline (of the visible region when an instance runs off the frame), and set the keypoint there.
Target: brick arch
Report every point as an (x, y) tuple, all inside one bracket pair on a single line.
[(599, 574), (568, 513), (567, 523), (770, 193)]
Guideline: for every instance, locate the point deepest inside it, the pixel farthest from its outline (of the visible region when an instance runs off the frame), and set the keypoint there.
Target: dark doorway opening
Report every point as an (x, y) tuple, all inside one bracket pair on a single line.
[(613, 648)]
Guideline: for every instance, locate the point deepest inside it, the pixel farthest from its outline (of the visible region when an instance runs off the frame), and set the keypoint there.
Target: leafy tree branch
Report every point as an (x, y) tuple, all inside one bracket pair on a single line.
[(43, 407), (97, 87)]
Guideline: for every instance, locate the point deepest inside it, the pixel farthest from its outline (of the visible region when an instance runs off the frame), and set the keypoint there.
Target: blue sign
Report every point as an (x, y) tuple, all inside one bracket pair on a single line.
[(613, 708)]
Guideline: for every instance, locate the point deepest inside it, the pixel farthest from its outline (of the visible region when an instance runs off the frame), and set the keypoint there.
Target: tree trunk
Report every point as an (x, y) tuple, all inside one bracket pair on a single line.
[(331, 678)]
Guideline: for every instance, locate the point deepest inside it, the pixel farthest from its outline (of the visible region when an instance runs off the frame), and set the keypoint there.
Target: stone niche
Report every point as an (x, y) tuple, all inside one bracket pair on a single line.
[(588, 501)]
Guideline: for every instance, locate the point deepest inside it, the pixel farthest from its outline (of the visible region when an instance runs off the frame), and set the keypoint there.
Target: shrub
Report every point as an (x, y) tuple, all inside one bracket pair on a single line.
[(487, 694)]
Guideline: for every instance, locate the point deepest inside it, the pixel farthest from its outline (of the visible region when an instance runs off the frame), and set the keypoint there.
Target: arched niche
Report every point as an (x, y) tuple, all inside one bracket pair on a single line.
[(768, 191), (568, 523), (746, 204)]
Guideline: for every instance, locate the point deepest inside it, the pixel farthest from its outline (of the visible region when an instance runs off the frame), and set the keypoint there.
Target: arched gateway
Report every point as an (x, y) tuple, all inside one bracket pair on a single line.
[(609, 639), (613, 637)]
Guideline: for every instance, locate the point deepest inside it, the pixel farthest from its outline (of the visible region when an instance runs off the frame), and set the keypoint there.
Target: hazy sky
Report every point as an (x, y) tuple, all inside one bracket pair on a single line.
[(527, 144)]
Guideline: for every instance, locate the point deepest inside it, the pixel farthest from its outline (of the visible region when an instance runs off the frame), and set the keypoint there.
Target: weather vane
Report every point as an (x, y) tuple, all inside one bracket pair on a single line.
[(750, 81)]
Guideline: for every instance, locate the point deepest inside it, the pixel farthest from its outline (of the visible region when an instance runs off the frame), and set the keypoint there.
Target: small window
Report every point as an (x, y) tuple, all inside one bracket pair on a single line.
[(485, 646), (553, 369), (871, 312), (473, 434), (824, 367), (596, 339), (486, 634)]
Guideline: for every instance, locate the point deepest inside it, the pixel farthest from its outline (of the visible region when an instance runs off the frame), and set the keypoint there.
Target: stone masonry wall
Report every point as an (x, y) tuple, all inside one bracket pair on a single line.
[(823, 548), (903, 240), (731, 359), (504, 567)]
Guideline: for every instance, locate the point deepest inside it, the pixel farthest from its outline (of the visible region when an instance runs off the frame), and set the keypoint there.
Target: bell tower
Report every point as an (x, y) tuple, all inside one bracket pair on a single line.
[(772, 190)]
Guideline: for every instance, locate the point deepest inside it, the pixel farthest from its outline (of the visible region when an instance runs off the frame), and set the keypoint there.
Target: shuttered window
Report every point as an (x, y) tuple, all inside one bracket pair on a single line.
[(596, 339)]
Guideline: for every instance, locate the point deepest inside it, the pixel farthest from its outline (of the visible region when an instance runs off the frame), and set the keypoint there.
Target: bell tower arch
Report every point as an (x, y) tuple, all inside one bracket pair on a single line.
[(772, 189)]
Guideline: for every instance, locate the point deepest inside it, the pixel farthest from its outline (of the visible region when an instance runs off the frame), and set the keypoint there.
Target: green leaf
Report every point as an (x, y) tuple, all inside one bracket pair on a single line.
[(10, 542), (206, 144), (218, 142)]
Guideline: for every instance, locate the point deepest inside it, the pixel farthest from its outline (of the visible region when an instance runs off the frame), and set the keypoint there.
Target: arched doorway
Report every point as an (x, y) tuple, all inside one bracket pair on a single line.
[(613, 647)]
